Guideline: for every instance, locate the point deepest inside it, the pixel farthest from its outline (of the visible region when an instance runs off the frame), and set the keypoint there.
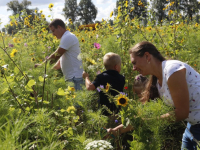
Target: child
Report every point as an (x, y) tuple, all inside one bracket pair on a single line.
[(139, 84), (112, 63)]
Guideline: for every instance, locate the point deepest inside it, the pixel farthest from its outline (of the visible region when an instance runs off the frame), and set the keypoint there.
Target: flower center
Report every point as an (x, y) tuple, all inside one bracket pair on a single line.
[(122, 100)]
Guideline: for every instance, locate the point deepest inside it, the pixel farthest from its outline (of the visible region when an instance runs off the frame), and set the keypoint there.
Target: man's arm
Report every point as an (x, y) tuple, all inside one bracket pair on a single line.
[(54, 56), (57, 65), (88, 84)]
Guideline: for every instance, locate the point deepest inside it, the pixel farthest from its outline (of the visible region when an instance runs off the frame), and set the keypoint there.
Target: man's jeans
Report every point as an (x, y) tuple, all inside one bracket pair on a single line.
[(188, 141), (77, 83)]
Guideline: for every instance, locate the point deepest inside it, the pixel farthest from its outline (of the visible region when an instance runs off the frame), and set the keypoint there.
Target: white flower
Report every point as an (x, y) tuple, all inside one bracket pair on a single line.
[(98, 145), (90, 67), (79, 57)]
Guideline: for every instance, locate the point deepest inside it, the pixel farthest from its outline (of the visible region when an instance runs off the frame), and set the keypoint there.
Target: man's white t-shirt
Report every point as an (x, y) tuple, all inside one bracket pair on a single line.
[(70, 65), (193, 83)]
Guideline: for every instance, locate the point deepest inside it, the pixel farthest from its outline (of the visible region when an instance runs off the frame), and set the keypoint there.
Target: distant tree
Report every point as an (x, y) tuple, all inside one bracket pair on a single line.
[(135, 8), (188, 7), (158, 9), (87, 11), (70, 10), (17, 8), (4, 30)]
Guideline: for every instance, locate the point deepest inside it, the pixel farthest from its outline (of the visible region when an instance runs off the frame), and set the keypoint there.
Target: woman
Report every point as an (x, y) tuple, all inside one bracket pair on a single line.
[(174, 81)]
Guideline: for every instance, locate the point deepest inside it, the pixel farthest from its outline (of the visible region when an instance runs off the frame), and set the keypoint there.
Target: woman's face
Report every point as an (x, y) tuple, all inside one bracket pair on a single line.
[(140, 64)]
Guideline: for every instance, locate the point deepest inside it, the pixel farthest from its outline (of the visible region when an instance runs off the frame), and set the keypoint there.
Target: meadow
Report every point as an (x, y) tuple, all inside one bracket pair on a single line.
[(38, 107)]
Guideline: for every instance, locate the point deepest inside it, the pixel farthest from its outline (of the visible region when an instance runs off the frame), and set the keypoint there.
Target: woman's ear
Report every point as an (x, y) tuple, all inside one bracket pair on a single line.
[(147, 56)]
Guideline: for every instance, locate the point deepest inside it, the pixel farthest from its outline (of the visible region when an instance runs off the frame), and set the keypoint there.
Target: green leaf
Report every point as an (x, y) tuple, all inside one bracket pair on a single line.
[(31, 83), (61, 91), (16, 70), (4, 90), (41, 79), (17, 16), (62, 110), (45, 102), (70, 131)]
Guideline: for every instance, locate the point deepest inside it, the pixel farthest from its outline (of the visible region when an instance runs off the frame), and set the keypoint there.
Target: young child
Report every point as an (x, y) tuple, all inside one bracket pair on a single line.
[(139, 85), (112, 63)]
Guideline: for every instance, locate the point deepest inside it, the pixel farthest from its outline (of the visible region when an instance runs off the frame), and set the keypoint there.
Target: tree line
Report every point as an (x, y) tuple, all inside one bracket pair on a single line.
[(85, 12)]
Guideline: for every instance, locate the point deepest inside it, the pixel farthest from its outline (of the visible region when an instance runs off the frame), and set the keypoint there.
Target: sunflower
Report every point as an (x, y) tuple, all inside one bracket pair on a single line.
[(71, 88), (107, 87), (41, 11), (82, 40), (13, 53), (126, 4), (36, 11), (11, 23), (119, 9), (51, 5), (43, 16), (26, 19), (33, 59), (122, 100), (111, 14), (43, 30), (15, 40)]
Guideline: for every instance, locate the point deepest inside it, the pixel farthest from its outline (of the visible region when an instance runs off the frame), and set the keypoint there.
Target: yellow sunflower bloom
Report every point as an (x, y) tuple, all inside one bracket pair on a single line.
[(15, 40), (51, 5), (43, 16), (11, 23), (16, 23), (107, 87), (126, 4), (122, 100), (82, 40), (33, 59), (36, 11), (71, 88), (119, 8), (41, 11), (13, 53), (111, 14)]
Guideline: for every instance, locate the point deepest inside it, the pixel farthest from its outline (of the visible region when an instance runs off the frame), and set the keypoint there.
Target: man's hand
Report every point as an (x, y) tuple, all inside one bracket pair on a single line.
[(84, 74), (37, 65)]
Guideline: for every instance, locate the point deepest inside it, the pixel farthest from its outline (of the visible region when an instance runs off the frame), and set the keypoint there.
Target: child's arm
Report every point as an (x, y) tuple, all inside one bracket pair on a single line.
[(119, 129), (88, 84)]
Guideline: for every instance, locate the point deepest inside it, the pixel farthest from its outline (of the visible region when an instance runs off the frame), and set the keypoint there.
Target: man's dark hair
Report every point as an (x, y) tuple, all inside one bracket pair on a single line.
[(57, 22)]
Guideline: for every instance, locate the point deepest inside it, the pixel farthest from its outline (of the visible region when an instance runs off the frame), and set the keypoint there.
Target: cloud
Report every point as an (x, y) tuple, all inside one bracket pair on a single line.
[(101, 1), (34, 2), (105, 12)]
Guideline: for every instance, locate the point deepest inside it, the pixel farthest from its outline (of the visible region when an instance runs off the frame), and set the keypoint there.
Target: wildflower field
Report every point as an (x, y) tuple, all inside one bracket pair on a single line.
[(38, 108)]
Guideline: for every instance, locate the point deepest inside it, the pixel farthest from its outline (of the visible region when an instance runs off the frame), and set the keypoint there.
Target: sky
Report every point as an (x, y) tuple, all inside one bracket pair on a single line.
[(104, 7)]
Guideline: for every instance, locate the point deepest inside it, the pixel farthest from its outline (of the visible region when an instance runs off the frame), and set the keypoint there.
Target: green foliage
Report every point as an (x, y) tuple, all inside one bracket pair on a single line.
[(43, 111), (87, 11), (70, 10)]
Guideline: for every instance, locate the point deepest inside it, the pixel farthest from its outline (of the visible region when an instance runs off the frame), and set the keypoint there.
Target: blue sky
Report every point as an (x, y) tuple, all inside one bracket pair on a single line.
[(104, 8)]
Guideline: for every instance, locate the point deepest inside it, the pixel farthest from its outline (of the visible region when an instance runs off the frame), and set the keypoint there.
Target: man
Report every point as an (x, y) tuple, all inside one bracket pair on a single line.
[(66, 54)]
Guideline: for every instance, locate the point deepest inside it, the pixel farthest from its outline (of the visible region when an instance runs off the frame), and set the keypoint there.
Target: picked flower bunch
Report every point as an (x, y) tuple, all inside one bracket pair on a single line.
[(99, 145)]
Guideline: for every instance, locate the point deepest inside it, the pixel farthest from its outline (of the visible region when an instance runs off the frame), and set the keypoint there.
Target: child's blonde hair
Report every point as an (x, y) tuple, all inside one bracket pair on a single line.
[(110, 60)]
